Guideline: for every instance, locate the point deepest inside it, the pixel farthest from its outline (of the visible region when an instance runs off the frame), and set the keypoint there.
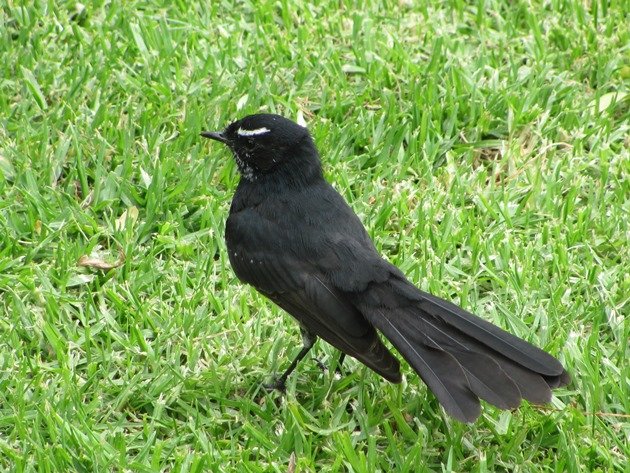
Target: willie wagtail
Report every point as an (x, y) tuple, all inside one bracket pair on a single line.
[(295, 239)]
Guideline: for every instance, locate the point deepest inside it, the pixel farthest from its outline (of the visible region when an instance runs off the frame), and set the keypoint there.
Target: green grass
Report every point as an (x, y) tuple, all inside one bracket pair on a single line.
[(484, 144)]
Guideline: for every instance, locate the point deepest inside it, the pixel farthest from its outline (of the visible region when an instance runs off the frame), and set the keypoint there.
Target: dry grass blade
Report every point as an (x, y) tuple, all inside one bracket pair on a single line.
[(99, 263)]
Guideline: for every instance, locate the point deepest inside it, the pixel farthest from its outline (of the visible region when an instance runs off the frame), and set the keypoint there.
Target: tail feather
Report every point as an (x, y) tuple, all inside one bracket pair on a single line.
[(494, 337), (498, 368), (485, 377), (488, 381), (461, 357), (532, 386), (439, 370)]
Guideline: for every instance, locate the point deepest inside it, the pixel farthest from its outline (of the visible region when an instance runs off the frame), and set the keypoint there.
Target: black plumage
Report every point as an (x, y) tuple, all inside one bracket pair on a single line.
[(295, 239)]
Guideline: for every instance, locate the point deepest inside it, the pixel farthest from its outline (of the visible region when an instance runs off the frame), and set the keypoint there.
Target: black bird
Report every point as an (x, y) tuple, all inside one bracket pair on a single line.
[(295, 239)]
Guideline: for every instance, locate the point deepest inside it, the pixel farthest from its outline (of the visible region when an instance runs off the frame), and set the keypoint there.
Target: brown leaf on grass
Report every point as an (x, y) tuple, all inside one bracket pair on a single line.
[(292, 462), (128, 216), (98, 263)]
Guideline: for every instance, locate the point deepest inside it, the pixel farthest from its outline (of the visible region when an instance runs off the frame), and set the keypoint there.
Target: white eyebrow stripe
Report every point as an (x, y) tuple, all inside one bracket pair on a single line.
[(257, 131)]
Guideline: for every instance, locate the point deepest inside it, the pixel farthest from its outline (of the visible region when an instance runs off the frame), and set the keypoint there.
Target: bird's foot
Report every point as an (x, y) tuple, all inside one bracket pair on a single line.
[(278, 384), (339, 373), (319, 364)]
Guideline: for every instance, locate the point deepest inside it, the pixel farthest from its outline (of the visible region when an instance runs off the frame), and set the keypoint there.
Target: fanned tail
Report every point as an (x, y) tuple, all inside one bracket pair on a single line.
[(460, 357)]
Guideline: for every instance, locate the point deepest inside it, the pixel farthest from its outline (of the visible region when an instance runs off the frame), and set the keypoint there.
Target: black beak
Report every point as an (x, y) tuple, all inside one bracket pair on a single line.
[(214, 135)]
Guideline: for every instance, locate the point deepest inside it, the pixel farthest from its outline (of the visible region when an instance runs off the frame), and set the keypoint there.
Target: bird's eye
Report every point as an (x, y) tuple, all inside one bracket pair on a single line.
[(250, 143)]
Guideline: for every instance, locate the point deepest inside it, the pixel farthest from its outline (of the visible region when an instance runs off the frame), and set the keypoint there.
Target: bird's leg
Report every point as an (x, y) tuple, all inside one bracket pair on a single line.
[(340, 362), (338, 370), (308, 340)]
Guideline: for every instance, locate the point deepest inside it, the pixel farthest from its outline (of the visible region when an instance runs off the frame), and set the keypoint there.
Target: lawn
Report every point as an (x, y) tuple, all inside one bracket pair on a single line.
[(484, 144)]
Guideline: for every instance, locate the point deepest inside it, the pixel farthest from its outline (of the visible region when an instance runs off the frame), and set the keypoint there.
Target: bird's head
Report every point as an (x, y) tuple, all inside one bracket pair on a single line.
[(263, 142)]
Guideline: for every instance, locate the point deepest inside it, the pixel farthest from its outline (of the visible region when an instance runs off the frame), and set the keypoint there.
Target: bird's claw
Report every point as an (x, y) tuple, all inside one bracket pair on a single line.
[(277, 384), (321, 365)]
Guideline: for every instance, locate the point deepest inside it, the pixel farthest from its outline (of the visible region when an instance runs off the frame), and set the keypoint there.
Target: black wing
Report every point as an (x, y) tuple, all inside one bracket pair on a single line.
[(266, 255)]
